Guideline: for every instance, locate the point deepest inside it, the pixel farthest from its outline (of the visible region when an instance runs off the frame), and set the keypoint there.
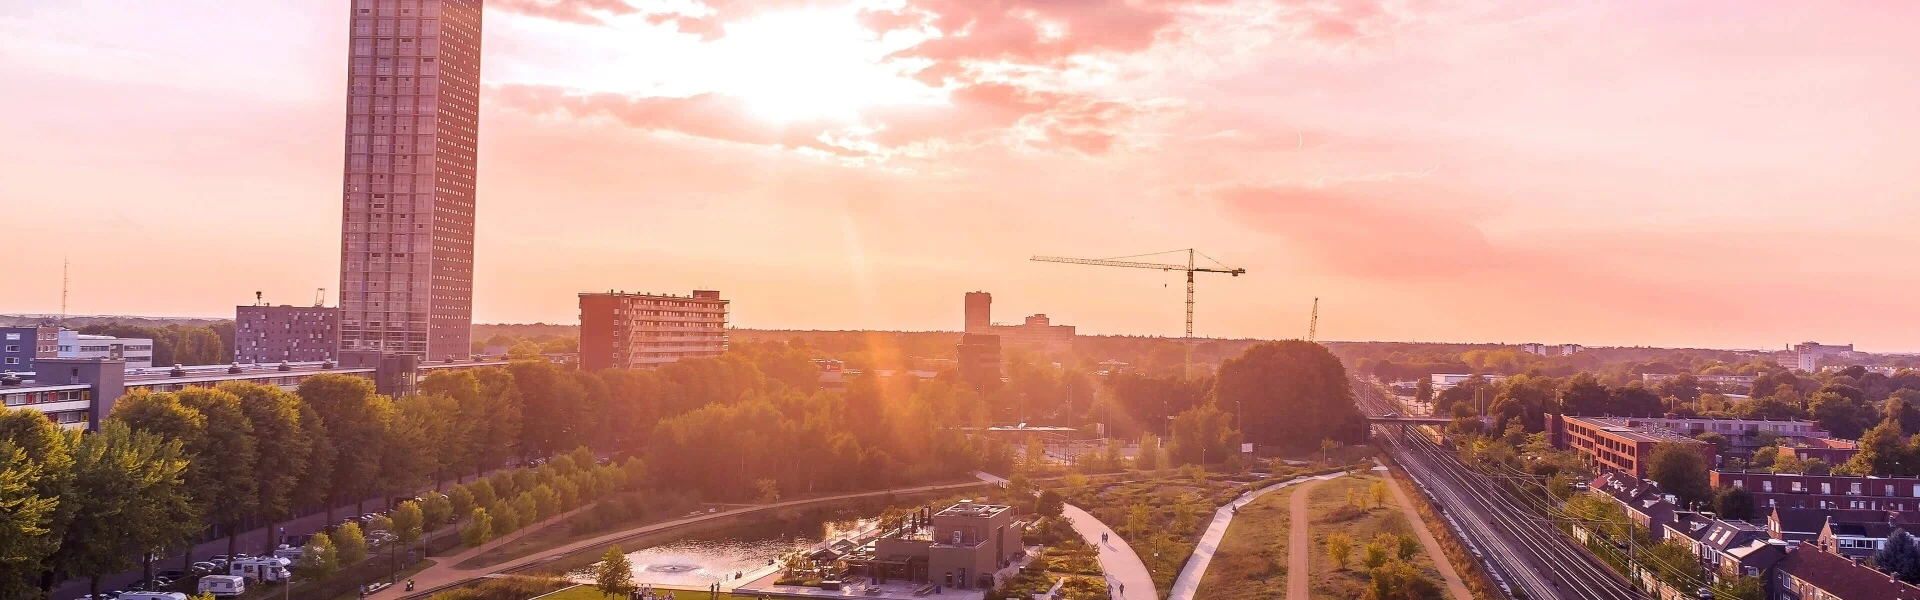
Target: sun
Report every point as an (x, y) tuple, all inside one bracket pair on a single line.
[(810, 65)]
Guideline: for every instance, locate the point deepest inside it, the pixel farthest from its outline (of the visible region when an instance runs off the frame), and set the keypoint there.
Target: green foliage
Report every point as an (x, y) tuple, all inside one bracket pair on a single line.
[(437, 509), (319, 559), (1680, 470), (1292, 393), (127, 492), (614, 574), (1339, 549), (1397, 580), (1149, 457), (1374, 554), (479, 528), (1883, 452), (1733, 503), (1049, 504), (1203, 434), (768, 490), (408, 520), (350, 543)]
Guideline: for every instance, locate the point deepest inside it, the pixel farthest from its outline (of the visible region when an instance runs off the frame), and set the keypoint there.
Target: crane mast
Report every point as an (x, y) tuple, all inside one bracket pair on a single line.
[(1190, 268)]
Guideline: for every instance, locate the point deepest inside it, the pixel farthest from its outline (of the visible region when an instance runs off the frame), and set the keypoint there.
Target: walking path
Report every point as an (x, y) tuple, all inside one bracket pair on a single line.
[(1454, 583), (1123, 567), (1299, 547), (1189, 581), (446, 573)]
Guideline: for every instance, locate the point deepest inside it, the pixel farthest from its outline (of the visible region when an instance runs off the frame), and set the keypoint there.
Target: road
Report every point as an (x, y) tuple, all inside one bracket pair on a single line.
[(1525, 551)]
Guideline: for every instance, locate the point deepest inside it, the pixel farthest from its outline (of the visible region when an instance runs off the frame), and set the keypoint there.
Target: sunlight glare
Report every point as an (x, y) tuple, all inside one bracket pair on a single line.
[(813, 64)]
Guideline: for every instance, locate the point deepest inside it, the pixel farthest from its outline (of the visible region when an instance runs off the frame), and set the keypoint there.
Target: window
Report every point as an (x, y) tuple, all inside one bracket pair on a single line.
[(13, 360), (1767, 486), (13, 337), (1826, 488), (13, 347)]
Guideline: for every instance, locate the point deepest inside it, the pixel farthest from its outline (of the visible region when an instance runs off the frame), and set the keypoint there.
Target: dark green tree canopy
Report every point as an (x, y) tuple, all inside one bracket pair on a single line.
[(1293, 394)]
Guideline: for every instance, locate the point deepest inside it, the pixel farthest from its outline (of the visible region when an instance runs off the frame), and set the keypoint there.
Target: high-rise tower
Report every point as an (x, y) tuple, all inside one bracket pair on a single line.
[(413, 126)]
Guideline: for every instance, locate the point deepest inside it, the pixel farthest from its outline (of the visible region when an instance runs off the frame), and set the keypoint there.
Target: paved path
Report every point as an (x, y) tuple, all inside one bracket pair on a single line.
[(445, 571), (1299, 547), (1122, 566), (1454, 584), (1189, 581)]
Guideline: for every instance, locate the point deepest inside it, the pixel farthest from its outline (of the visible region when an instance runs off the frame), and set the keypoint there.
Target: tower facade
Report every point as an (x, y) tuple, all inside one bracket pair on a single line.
[(407, 214), (979, 312)]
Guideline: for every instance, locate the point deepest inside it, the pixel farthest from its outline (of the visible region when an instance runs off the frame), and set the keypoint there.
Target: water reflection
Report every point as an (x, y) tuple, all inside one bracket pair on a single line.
[(699, 562)]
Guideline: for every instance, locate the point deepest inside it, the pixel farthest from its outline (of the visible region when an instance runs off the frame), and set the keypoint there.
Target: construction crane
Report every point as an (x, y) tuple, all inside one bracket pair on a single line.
[(1190, 268), (1313, 323)]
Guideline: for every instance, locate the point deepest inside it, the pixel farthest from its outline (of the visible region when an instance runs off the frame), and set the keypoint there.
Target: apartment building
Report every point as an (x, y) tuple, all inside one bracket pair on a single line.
[(1037, 332), (137, 353), (1617, 444), (271, 334), (621, 330), (20, 346), (1792, 490)]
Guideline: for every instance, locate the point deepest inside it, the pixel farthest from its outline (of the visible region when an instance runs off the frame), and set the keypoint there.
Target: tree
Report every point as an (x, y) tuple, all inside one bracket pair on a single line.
[(350, 544), (407, 520), (1720, 442), (1374, 554), (1406, 546), (1398, 580), (1339, 548), (1635, 400), (1733, 503), (614, 576), (128, 496), (1741, 588), (1291, 393), (479, 528), (1327, 445), (26, 517), (435, 512), (1787, 461), (1201, 434), (1423, 390), (460, 501), (319, 559), (1049, 504), (275, 418), (1844, 416), (1148, 459), (1584, 395), (356, 419), (1378, 493), (1883, 452), (1900, 556), (1139, 522), (46, 457), (1680, 470)]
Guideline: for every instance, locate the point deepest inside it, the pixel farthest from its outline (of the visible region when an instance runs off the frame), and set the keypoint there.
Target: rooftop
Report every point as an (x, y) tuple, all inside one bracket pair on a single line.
[(1843, 578), (969, 508)]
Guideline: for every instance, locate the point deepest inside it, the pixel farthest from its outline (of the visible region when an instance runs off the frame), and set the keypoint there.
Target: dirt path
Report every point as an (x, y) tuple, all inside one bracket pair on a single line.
[(1299, 546), (1455, 585)]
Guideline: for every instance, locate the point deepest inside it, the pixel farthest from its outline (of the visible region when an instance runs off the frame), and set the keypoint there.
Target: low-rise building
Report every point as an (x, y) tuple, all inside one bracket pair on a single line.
[(1811, 573), (137, 353), (979, 360), (1446, 381), (1642, 499), (1613, 444), (961, 546), (1794, 490), (1740, 549), (21, 346)]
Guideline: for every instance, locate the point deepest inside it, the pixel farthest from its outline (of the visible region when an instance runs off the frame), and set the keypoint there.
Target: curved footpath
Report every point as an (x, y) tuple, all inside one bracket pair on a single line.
[(1188, 583), (1123, 567), (445, 574)]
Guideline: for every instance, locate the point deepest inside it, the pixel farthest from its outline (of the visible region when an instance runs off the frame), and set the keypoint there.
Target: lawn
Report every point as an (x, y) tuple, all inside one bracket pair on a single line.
[(1333, 512), (1066, 557), (1251, 563)]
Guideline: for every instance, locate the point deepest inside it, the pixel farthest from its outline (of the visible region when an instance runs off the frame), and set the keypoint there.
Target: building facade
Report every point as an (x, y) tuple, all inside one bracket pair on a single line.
[(1792, 490), (979, 360), (21, 346), (1616, 444), (267, 334), (407, 213), (1037, 332), (979, 318), (136, 352), (1810, 573), (622, 330), (961, 546)]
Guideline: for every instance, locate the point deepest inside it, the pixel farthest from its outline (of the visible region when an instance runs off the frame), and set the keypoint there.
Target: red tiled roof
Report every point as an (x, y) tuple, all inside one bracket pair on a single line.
[(1842, 578)]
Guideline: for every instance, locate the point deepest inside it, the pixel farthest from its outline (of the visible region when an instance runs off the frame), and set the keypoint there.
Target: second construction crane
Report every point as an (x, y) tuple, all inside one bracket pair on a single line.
[(1191, 267)]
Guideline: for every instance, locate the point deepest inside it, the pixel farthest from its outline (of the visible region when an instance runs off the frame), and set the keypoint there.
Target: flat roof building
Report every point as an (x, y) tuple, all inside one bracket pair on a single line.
[(619, 330), (1618, 444), (408, 190), (20, 346), (137, 353), (271, 334)]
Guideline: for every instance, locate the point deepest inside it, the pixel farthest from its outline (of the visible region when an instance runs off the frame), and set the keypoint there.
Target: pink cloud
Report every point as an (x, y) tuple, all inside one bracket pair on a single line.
[(711, 116), (584, 12), (1367, 230)]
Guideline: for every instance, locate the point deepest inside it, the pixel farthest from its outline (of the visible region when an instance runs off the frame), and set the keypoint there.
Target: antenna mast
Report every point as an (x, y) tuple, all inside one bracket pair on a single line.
[(64, 262)]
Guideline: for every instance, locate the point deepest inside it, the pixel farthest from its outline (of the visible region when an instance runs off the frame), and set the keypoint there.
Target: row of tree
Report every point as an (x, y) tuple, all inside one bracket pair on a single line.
[(177, 344)]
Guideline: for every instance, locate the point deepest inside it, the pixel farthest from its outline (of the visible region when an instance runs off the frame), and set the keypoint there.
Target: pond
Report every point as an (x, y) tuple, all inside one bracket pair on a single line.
[(699, 561)]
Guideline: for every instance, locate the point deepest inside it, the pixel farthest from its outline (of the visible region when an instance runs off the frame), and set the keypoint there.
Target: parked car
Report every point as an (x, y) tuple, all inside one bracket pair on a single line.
[(205, 565), (112, 594), (173, 575)]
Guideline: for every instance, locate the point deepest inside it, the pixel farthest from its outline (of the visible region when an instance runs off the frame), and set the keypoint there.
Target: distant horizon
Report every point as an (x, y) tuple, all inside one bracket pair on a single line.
[(957, 332)]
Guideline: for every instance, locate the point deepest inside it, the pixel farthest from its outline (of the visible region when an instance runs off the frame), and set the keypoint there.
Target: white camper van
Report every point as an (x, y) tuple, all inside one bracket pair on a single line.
[(262, 569), (223, 585)]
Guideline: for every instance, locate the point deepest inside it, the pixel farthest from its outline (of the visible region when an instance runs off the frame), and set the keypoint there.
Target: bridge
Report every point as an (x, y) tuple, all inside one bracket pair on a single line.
[(1406, 420)]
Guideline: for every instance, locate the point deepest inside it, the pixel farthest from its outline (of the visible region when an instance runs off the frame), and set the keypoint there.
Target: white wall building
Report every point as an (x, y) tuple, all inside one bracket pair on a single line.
[(138, 352)]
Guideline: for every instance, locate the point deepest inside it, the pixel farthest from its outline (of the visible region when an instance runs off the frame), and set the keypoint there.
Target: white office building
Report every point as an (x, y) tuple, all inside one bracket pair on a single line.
[(138, 352)]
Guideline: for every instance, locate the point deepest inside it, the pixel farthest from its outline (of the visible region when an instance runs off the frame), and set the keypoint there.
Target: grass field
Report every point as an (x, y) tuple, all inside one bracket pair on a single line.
[(1333, 513), (1177, 506), (1251, 563)]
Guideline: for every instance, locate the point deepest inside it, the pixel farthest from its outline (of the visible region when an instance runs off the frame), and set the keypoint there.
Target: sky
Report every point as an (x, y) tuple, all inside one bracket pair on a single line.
[(1708, 174)]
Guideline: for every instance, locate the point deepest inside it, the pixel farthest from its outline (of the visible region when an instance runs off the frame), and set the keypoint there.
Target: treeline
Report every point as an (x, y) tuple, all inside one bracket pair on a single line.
[(1287, 396), (177, 344)]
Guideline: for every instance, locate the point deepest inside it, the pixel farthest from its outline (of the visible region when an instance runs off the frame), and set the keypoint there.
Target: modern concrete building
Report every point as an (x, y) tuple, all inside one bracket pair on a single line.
[(1806, 356), (21, 346), (136, 352), (271, 334), (622, 331), (1037, 333), (1618, 444), (408, 199), (1446, 381), (960, 546)]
